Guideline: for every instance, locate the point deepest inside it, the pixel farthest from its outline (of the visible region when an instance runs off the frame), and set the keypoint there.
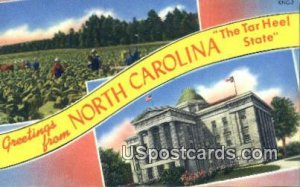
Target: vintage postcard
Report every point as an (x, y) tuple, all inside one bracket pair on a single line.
[(149, 93)]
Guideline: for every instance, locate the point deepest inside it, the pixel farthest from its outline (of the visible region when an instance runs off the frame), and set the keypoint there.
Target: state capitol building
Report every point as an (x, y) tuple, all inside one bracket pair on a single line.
[(241, 121)]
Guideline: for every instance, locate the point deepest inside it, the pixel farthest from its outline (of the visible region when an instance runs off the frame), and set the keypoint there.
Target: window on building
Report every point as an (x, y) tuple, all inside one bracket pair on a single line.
[(190, 133), (193, 108), (247, 138), (225, 122), (227, 131), (172, 165), (213, 124), (242, 114), (246, 135), (214, 127), (160, 169), (244, 126), (243, 117), (228, 142), (245, 130), (168, 136), (207, 144), (156, 138), (225, 125), (218, 139), (150, 173)]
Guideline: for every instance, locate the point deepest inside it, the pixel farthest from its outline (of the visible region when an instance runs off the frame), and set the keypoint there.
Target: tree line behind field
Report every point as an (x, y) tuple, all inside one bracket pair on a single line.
[(107, 31)]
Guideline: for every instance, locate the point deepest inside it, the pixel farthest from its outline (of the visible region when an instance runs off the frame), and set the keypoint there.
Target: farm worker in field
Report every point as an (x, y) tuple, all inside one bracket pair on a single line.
[(136, 55), (131, 58), (28, 64), (36, 64), (22, 65), (57, 69), (128, 58), (94, 61)]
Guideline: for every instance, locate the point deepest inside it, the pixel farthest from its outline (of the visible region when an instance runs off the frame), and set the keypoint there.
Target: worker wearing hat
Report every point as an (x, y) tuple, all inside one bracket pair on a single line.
[(94, 61), (57, 69), (36, 64)]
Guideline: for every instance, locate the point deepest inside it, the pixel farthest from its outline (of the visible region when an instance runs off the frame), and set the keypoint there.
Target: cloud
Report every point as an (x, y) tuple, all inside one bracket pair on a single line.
[(98, 12), (268, 94), (9, 1), (116, 137), (245, 81), (23, 33), (163, 13)]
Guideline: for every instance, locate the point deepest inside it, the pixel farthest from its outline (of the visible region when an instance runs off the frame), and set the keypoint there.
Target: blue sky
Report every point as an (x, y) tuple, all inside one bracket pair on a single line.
[(29, 20), (296, 54), (44, 13), (267, 74)]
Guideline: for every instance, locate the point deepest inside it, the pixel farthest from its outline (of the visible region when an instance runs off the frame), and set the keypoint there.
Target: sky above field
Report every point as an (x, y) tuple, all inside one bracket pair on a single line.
[(274, 77), (27, 20)]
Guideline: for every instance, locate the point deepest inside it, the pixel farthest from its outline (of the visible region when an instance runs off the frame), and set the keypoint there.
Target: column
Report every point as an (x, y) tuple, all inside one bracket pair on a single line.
[(261, 129), (134, 171), (174, 136), (269, 135), (238, 126), (162, 135), (155, 172), (142, 162), (264, 126), (182, 134), (140, 137), (145, 177)]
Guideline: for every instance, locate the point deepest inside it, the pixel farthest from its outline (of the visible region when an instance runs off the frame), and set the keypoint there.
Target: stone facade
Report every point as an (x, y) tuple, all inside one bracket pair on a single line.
[(239, 122)]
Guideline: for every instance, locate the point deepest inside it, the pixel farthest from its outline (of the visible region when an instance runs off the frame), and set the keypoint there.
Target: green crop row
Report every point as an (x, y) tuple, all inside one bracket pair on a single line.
[(28, 94)]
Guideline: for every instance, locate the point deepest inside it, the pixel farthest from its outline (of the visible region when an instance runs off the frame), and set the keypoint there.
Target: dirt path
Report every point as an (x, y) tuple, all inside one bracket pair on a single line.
[(286, 164)]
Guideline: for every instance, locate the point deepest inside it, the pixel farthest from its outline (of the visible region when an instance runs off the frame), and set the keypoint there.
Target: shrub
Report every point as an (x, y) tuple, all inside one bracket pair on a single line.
[(116, 172), (293, 149), (171, 177), (228, 170), (194, 177)]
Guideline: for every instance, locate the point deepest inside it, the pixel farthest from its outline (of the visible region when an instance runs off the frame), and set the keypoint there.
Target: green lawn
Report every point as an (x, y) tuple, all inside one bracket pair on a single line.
[(294, 159), (237, 172), (244, 171)]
